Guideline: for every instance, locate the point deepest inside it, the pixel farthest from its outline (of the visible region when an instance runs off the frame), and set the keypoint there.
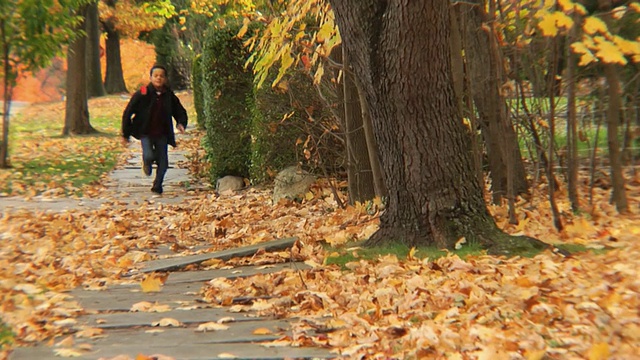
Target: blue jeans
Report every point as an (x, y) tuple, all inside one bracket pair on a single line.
[(156, 149)]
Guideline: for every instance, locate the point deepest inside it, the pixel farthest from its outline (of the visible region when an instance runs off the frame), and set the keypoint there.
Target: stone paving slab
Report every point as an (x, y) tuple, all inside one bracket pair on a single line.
[(132, 319), (171, 264), (123, 298), (185, 351), (206, 275)]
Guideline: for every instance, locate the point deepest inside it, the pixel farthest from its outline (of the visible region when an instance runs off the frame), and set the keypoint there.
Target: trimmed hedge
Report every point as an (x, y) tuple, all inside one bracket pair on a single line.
[(225, 88), (198, 96)]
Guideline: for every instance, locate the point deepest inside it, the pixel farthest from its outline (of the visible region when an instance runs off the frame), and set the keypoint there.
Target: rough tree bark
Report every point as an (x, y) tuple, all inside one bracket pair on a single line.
[(114, 77), (619, 195), (360, 177), (95, 87), (76, 118), (572, 122), (401, 53), (484, 65)]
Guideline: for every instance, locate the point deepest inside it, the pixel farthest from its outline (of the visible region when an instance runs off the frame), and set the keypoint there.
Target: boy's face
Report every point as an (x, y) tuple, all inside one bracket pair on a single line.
[(158, 78)]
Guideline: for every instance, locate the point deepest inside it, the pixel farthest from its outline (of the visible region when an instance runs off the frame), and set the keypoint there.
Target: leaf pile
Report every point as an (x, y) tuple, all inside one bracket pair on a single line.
[(483, 307)]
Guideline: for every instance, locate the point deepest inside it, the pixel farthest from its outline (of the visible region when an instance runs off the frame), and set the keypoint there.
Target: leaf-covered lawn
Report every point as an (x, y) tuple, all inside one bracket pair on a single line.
[(45, 163), (480, 307)]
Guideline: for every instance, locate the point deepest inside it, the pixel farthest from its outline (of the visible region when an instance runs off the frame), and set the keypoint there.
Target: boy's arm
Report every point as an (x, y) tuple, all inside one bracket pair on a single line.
[(179, 113), (129, 111)]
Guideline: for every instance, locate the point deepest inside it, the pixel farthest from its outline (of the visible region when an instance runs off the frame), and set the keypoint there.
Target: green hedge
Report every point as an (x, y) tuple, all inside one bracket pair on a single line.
[(226, 86), (198, 96), (274, 138)]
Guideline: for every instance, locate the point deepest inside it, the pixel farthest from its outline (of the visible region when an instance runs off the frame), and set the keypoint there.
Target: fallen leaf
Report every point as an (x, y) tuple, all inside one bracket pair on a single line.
[(151, 283), (164, 322), (211, 326), (226, 356), (262, 331), (599, 351), (68, 352)]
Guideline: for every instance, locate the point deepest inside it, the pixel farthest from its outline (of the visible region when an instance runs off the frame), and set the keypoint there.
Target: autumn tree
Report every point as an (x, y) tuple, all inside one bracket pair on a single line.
[(32, 32), (401, 53), (485, 67), (127, 18), (76, 117), (95, 86)]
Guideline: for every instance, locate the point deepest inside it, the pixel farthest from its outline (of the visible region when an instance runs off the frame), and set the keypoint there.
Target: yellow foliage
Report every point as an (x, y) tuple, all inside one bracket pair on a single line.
[(593, 25), (628, 47), (608, 52), (552, 22)]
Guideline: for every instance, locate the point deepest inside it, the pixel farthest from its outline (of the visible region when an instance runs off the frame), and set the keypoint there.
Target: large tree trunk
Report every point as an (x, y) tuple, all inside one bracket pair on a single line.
[(114, 78), (401, 53), (95, 86), (76, 119), (484, 63)]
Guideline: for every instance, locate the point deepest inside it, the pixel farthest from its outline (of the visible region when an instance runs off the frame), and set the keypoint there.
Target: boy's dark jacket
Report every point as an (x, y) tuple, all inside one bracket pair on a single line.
[(136, 115)]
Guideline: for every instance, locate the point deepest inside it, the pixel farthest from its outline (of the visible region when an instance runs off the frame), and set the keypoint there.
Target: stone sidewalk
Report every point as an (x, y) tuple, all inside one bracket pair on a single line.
[(126, 333)]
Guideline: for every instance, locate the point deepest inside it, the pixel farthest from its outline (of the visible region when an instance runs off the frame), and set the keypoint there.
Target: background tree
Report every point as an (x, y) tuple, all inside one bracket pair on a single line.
[(32, 32), (76, 118), (95, 86), (127, 18), (434, 195)]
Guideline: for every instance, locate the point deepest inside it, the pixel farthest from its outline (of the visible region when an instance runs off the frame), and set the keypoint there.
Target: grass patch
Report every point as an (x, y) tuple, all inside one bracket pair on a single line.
[(6, 335), (577, 248), (353, 252), (43, 161)]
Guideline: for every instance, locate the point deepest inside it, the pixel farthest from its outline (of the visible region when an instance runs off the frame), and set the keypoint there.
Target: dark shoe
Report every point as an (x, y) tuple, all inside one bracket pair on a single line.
[(157, 189), (146, 169)]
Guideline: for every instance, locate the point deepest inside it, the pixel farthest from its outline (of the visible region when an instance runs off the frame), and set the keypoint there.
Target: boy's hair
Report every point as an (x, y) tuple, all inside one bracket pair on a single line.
[(158, 66)]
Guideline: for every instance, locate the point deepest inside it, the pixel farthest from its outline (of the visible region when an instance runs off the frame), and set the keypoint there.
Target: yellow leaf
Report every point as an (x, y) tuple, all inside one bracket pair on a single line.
[(68, 352), (226, 356), (635, 6), (608, 52), (547, 24), (89, 333), (562, 20), (211, 326), (318, 75), (141, 306), (66, 342), (628, 47), (164, 322), (535, 354), (261, 331), (459, 243), (599, 351), (593, 25), (244, 28), (586, 57), (152, 283)]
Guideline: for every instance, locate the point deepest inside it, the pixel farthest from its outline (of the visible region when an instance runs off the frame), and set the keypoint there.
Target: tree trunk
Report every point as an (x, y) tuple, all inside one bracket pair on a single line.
[(484, 63), (95, 86), (6, 104), (401, 53), (114, 79), (76, 119), (372, 147), (360, 178), (618, 196), (572, 122)]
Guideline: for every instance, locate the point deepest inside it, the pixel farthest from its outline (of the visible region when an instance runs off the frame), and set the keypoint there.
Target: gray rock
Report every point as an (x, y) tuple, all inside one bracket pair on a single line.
[(229, 183), (291, 183)]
